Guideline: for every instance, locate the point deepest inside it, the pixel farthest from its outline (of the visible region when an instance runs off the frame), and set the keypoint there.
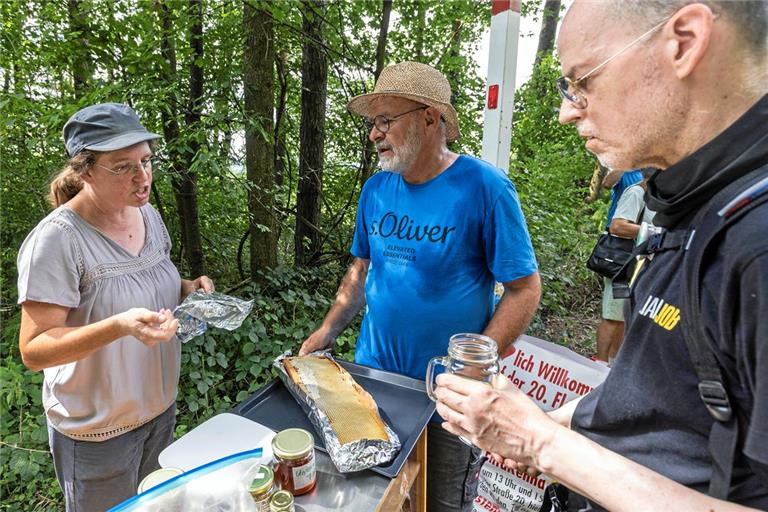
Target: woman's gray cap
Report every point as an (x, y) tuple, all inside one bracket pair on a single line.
[(104, 127)]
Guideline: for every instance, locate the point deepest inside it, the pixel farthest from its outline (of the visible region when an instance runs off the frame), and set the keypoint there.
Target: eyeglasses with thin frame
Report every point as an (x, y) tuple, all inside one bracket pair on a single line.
[(124, 169), (382, 123), (570, 90)]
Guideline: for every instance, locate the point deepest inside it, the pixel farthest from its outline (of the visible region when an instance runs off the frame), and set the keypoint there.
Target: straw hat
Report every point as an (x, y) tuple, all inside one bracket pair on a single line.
[(413, 81)]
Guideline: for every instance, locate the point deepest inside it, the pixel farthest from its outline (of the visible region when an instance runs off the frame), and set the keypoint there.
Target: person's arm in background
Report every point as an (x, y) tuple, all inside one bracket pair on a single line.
[(505, 422), (627, 211), (350, 299), (515, 310), (624, 228)]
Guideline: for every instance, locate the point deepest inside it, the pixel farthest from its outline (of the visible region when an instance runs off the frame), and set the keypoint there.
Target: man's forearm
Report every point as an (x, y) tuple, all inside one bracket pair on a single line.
[(564, 414), (624, 228), (617, 483), (350, 298), (515, 311)]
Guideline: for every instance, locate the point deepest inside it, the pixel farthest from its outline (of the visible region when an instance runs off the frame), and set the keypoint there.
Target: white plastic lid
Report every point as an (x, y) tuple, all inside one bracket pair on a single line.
[(157, 477)]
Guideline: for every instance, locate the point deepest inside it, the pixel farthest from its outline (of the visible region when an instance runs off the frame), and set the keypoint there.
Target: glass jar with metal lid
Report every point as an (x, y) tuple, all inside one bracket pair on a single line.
[(294, 451), (262, 488), (282, 501)]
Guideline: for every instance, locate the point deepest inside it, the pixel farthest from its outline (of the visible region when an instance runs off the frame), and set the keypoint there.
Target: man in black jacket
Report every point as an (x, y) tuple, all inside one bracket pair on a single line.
[(680, 86)]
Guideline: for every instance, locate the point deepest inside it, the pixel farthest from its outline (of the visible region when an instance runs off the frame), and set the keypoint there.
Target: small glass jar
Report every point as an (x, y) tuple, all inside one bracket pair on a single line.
[(262, 488), (282, 501), (294, 451), (157, 477), (172, 500)]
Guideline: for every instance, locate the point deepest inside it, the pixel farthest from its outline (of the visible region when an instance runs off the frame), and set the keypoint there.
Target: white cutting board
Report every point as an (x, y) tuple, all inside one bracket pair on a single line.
[(222, 435)]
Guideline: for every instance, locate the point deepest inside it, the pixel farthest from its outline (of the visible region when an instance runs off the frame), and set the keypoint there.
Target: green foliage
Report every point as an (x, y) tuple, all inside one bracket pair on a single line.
[(552, 170), (24, 455), (219, 369)]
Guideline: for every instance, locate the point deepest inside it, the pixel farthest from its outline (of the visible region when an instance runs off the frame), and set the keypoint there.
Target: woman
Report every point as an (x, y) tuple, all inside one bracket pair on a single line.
[(96, 288)]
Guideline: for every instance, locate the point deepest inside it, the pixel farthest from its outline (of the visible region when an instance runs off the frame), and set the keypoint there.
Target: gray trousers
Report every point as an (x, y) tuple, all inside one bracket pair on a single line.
[(96, 476), (451, 465)]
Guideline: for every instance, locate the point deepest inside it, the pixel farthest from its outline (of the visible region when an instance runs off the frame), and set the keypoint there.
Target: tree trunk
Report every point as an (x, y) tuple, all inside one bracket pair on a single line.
[(282, 77), (454, 70), (381, 53), (188, 186), (169, 112), (548, 29), (381, 46), (82, 63), (596, 183), (258, 81), (421, 15), (314, 71)]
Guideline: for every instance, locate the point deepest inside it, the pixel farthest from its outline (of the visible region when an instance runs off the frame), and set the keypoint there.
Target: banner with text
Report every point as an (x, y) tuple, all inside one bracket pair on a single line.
[(551, 375)]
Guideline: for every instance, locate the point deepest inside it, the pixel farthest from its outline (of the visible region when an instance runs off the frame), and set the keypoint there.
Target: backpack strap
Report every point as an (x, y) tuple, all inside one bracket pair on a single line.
[(725, 209), (658, 242)]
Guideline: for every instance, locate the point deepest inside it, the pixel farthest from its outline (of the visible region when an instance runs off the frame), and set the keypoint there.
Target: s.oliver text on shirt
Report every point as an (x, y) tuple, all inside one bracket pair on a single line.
[(403, 228)]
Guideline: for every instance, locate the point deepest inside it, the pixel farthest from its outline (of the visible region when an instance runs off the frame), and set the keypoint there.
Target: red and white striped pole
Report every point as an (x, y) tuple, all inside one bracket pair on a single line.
[(500, 90)]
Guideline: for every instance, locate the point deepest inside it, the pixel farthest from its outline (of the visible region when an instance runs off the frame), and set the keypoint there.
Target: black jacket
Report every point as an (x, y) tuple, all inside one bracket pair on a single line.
[(649, 409)]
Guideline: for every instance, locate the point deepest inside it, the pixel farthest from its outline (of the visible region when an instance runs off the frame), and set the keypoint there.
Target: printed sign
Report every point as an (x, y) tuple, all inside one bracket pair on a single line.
[(551, 375)]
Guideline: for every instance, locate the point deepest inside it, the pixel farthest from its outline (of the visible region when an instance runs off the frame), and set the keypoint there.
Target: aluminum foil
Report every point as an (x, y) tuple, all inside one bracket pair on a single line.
[(200, 309), (355, 456)]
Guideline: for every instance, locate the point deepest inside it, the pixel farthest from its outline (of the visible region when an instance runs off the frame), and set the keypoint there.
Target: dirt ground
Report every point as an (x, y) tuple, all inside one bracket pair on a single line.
[(576, 330)]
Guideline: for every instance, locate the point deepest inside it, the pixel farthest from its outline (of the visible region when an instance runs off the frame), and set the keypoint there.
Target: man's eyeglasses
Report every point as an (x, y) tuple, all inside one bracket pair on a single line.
[(382, 123), (132, 169), (569, 89)]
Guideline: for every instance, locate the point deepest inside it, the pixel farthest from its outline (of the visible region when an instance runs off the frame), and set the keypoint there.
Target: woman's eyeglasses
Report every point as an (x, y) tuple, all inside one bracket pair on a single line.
[(132, 169)]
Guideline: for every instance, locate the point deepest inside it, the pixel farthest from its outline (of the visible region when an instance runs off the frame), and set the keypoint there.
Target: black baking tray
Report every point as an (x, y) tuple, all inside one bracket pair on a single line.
[(402, 400)]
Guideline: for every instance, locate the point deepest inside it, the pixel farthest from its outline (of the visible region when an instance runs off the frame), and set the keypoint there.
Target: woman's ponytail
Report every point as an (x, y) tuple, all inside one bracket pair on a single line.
[(68, 182)]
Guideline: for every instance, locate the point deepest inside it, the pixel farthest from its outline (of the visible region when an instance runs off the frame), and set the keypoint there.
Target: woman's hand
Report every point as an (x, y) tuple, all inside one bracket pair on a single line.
[(204, 283), (149, 327)]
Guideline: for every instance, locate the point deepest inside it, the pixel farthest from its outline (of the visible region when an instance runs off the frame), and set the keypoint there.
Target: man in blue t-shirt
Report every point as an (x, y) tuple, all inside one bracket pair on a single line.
[(434, 232)]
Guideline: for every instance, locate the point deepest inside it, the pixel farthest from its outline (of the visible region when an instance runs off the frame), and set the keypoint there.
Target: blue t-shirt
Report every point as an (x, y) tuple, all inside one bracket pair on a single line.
[(627, 180), (435, 251)]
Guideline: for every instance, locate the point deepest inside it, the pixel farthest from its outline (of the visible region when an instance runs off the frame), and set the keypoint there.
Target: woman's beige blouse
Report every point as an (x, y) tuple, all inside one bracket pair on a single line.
[(68, 262)]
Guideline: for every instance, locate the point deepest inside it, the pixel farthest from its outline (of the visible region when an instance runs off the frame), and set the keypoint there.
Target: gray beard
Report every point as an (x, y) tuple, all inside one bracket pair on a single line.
[(402, 159)]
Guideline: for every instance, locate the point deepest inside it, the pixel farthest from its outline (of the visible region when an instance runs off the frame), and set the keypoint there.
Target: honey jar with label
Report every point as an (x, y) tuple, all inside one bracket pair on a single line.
[(294, 451)]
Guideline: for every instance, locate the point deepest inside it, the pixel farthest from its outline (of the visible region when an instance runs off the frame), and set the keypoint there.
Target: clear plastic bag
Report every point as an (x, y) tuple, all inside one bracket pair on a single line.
[(219, 486), (200, 309)]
